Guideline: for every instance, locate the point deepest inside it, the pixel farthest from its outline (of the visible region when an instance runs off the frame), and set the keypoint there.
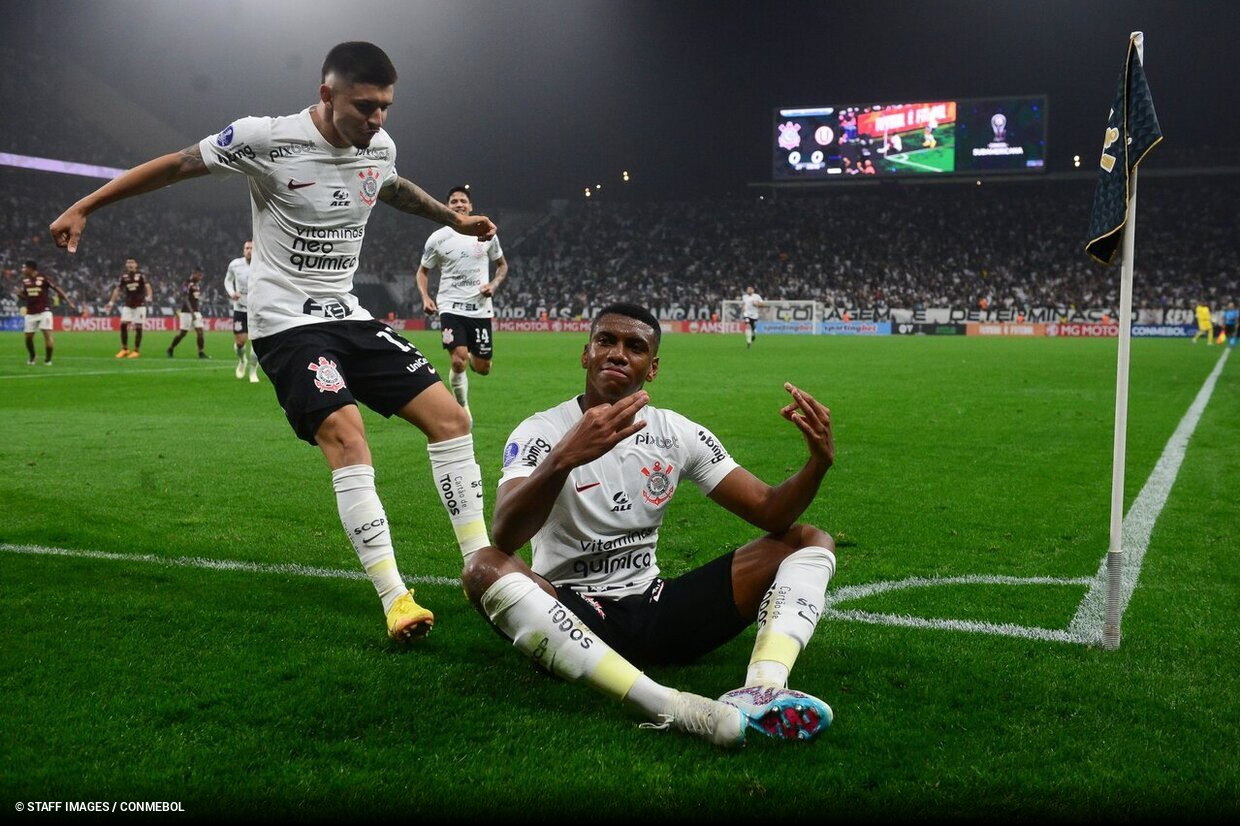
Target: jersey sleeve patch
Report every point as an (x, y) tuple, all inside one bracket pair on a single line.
[(236, 147)]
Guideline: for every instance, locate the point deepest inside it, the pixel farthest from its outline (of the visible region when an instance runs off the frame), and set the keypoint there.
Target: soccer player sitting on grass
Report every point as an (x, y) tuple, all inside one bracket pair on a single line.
[(588, 483)]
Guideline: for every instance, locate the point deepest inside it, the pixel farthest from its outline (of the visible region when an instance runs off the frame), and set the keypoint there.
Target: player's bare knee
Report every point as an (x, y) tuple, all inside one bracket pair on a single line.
[(342, 442), (480, 572), (453, 422), (805, 536), (482, 368)]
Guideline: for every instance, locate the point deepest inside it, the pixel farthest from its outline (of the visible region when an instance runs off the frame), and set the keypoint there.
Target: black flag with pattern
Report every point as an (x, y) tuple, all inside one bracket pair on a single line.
[(1132, 131)]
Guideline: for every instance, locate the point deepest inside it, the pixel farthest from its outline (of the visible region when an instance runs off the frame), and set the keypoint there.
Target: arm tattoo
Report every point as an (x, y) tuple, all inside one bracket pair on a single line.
[(191, 160), (409, 197)]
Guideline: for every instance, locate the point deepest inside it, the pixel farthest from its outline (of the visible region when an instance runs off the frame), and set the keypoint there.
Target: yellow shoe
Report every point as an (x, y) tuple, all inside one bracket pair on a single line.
[(124, 352), (407, 621), (133, 354)]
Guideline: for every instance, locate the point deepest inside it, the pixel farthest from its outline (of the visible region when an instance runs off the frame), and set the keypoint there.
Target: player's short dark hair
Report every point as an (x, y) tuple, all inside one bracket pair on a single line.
[(32, 264), (357, 61), (464, 189), (634, 311)]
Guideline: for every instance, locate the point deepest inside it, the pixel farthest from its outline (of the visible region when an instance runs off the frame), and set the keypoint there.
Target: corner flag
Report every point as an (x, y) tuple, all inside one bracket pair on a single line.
[(1132, 131)]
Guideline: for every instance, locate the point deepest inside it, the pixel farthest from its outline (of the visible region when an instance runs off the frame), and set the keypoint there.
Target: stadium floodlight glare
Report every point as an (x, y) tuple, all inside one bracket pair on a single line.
[(64, 167)]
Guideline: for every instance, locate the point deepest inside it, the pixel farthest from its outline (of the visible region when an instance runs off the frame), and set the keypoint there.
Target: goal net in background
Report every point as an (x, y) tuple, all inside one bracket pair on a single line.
[(789, 315)]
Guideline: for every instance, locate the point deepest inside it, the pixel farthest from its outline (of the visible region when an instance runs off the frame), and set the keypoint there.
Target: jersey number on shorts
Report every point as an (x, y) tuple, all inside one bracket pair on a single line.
[(404, 348)]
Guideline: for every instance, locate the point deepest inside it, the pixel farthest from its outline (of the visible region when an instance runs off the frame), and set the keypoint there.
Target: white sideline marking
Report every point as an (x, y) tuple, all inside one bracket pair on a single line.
[(218, 564), (1139, 523), (53, 373), (1086, 626)]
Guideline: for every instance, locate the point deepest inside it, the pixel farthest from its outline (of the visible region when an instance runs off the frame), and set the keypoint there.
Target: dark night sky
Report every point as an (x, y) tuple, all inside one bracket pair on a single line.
[(533, 99)]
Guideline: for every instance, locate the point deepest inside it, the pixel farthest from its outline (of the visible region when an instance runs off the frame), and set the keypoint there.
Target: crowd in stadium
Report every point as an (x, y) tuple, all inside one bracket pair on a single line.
[(996, 245), (887, 245)]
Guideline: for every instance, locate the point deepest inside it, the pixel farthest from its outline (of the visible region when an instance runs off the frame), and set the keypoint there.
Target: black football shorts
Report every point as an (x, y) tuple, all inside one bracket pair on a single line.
[(463, 331), (674, 621), (319, 368)]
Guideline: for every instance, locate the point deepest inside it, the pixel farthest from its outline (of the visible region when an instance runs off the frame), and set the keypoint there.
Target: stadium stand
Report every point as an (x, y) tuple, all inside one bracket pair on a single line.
[(1000, 245)]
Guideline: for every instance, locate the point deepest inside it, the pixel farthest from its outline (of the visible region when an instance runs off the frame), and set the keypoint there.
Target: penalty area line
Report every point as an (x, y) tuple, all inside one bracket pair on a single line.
[(207, 564)]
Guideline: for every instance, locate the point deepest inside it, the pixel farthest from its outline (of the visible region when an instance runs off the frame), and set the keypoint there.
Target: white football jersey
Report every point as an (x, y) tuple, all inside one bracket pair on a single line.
[(237, 280), (464, 264), (749, 308), (601, 535), (310, 201)]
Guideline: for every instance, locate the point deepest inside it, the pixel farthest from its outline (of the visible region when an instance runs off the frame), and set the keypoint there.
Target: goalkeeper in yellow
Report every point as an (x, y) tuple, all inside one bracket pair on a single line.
[(1204, 325)]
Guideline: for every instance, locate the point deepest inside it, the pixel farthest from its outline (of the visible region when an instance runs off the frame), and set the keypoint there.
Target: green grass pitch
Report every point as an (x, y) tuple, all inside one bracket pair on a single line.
[(271, 692)]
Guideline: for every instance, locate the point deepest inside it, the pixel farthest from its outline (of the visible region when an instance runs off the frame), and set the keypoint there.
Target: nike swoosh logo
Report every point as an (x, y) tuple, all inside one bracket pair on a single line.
[(294, 185), (580, 488), (366, 540)]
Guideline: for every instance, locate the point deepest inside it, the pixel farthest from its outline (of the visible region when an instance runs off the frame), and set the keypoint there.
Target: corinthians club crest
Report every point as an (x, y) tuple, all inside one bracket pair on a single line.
[(370, 186), (326, 377), (659, 486)]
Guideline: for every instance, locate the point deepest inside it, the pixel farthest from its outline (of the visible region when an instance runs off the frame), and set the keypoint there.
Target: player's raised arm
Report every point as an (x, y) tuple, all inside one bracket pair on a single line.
[(154, 174), (523, 505), (775, 508), (408, 197)]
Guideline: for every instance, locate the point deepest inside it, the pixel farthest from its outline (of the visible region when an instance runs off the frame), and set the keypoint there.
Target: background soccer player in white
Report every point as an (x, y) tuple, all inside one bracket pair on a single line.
[(463, 299), (237, 285), (750, 302), (314, 177), (588, 483)]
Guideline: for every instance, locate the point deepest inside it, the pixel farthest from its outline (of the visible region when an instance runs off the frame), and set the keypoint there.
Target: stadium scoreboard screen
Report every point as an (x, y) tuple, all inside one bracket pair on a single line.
[(944, 137)]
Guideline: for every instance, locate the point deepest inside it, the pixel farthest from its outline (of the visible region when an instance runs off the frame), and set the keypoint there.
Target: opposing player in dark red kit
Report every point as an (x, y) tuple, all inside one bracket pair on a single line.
[(190, 317), (137, 291), (35, 289)]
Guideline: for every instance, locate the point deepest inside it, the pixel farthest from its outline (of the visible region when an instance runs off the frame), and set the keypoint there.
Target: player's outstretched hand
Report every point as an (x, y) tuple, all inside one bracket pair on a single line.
[(478, 226), (429, 306), (601, 428), (814, 420), (67, 229)]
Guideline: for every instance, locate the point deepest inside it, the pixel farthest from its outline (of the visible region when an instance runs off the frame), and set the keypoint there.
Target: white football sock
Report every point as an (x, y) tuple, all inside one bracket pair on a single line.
[(788, 614), (458, 479), (364, 521), (460, 387), (555, 638)]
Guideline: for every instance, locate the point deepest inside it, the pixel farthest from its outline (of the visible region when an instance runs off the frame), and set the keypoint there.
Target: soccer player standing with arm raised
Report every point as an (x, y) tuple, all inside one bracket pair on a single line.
[(314, 177), (588, 482)]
